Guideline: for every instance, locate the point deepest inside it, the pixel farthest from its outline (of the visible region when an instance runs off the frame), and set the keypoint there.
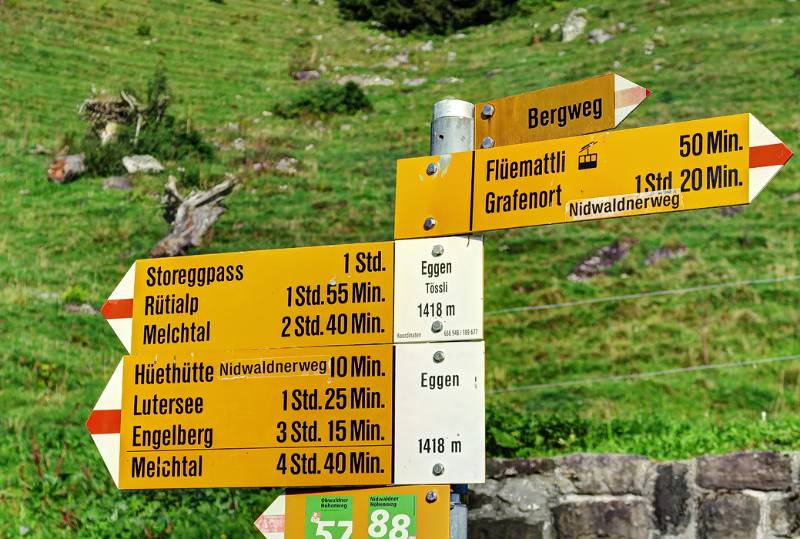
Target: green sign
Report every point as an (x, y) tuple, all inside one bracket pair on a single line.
[(329, 517), (392, 516)]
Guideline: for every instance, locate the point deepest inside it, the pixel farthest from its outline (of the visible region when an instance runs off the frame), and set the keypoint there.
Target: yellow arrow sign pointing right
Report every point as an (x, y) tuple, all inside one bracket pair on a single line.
[(723, 161)]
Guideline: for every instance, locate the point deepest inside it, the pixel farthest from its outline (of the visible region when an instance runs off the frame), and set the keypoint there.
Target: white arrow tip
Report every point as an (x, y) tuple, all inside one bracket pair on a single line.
[(272, 522), (118, 309), (104, 423), (627, 96), (768, 154)]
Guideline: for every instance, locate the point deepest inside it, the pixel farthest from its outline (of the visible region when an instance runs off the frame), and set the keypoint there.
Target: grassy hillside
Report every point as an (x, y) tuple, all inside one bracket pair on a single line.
[(228, 64)]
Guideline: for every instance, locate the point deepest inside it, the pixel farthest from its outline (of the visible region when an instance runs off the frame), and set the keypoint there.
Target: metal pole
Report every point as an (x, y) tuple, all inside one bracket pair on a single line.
[(452, 127), (452, 130)]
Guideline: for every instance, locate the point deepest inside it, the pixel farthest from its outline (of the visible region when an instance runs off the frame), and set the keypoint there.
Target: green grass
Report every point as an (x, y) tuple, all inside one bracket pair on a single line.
[(229, 63)]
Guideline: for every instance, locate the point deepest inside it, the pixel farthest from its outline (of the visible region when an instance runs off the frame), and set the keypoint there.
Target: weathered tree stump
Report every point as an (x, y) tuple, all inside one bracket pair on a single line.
[(191, 217)]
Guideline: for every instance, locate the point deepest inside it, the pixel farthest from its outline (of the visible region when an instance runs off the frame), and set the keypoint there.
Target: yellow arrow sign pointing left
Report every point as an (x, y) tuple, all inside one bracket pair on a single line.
[(295, 417), (362, 293)]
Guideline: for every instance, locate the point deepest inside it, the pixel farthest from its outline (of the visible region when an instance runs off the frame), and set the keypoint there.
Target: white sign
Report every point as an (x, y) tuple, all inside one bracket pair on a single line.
[(439, 413), (438, 289)]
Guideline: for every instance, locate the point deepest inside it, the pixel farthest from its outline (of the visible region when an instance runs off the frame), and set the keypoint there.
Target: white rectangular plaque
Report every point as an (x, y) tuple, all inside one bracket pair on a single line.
[(439, 413), (438, 284)]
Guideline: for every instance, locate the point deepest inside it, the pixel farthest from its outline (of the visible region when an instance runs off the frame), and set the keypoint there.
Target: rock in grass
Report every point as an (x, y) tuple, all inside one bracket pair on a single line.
[(665, 253), (117, 182), (306, 75), (366, 80), (602, 259), (413, 83), (397, 60), (573, 25), (142, 163), (81, 308), (598, 36), (286, 165), (66, 169)]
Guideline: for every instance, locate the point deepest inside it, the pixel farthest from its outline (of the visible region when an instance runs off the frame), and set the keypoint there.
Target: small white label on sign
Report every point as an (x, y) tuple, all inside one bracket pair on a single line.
[(438, 289), (439, 413)]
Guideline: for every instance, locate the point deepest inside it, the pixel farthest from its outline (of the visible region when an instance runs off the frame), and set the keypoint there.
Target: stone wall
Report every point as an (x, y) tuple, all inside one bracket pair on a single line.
[(736, 496)]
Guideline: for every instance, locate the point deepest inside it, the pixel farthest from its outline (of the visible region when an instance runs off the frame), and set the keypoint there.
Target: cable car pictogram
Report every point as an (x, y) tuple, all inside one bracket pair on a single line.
[(587, 160)]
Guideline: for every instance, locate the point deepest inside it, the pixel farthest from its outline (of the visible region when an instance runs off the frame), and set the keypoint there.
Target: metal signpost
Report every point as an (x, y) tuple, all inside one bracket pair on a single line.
[(362, 365), (452, 129)]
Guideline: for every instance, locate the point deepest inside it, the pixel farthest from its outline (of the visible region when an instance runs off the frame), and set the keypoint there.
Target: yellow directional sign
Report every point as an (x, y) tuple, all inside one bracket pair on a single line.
[(721, 161), (566, 110), (362, 513), (360, 293), (294, 417), (255, 418)]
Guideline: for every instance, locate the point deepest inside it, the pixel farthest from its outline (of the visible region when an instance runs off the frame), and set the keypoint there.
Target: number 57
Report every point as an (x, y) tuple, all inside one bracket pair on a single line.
[(325, 534)]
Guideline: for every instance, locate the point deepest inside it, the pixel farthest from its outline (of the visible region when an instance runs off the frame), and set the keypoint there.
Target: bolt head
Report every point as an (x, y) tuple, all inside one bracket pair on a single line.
[(437, 326), (429, 223), (487, 111), (438, 356), (487, 142), (438, 250), (438, 468), (432, 169), (431, 496)]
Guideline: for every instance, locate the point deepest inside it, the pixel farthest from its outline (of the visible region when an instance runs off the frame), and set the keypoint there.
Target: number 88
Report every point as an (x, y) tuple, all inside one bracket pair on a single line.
[(378, 528)]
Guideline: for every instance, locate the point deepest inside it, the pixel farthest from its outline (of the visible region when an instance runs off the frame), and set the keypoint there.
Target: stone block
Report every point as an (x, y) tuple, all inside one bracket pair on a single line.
[(784, 516), (523, 494), (504, 529), (728, 516), (738, 471), (483, 494), (606, 474), (671, 498), (499, 468), (523, 497), (617, 519)]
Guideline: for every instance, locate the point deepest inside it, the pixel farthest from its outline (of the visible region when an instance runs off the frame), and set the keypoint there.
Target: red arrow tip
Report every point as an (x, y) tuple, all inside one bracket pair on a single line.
[(117, 308), (769, 155), (104, 421), (647, 92)]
